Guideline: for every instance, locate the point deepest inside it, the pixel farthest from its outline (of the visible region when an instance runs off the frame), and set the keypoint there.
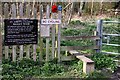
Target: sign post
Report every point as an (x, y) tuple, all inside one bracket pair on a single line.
[(59, 32), (55, 30)]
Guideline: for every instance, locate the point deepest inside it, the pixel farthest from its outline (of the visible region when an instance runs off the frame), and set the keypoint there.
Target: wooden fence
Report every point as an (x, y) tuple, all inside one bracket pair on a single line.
[(32, 11)]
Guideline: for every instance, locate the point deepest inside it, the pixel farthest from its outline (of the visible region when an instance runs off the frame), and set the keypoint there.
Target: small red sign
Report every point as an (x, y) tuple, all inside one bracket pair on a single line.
[(54, 8)]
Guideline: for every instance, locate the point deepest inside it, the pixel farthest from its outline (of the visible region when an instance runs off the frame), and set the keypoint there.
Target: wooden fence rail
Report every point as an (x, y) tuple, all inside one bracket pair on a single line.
[(32, 11)]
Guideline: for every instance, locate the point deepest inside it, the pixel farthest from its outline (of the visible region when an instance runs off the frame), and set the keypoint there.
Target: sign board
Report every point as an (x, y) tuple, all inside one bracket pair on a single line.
[(45, 31), (50, 21), (20, 31)]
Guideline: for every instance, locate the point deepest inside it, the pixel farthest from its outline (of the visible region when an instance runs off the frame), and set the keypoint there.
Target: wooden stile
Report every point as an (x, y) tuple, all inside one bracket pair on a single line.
[(88, 64)]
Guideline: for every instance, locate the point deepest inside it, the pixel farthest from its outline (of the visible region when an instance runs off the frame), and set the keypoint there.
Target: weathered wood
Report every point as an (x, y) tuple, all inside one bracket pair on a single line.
[(111, 34), (47, 39), (34, 52), (0, 36), (41, 40), (84, 59), (59, 35), (80, 37), (6, 16), (13, 16), (88, 68), (53, 37), (113, 53), (6, 10), (74, 52), (28, 8), (88, 64), (63, 48), (21, 15), (67, 58), (99, 33), (34, 45)]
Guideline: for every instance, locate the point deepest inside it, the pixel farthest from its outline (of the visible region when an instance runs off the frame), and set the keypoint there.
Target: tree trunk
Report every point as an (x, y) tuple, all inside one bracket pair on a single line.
[(82, 4)]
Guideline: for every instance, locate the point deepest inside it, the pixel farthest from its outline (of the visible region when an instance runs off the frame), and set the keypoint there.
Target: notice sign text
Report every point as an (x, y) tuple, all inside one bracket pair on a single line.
[(50, 21), (20, 31)]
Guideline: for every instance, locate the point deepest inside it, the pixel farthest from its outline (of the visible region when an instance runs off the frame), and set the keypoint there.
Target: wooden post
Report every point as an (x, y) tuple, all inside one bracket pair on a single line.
[(34, 45), (53, 37), (59, 35), (14, 47), (0, 33), (99, 33), (108, 39), (41, 41), (6, 16), (28, 8), (21, 15), (47, 39)]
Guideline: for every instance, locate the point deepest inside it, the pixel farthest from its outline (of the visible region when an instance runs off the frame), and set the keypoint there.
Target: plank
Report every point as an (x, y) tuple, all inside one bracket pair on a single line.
[(14, 47), (110, 34), (27, 15), (74, 52), (80, 37), (0, 42), (63, 48), (6, 16), (53, 37), (110, 53), (34, 45), (85, 59), (111, 44), (1, 34), (59, 35), (67, 58), (47, 39), (41, 40), (88, 64), (21, 15)]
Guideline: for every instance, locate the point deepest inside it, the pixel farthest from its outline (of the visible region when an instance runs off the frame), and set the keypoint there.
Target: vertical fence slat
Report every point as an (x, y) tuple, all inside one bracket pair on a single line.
[(21, 15), (47, 39), (34, 45), (99, 33), (14, 47), (27, 14), (41, 41), (6, 16), (59, 35), (0, 33), (53, 37)]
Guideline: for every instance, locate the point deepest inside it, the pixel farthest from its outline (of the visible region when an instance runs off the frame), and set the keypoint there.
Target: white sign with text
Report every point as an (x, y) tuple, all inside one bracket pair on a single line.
[(50, 21), (45, 31)]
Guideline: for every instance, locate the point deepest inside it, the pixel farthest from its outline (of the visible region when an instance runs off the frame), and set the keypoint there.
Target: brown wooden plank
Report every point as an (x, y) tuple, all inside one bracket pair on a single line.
[(67, 58), (79, 37), (80, 56), (63, 48), (85, 59), (74, 52)]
